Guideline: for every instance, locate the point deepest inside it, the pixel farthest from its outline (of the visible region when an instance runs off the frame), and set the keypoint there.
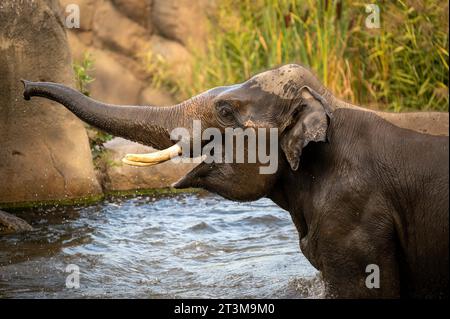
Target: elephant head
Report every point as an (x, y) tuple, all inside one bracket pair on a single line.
[(288, 98)]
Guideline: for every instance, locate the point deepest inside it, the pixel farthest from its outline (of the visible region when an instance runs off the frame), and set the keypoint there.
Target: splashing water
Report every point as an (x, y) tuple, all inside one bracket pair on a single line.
[(171, 247)]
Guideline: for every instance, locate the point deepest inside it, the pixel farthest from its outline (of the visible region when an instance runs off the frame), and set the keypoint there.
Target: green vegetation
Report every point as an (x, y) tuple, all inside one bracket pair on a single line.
[(85, 200), (402, 65), (91, 200), (96, 140), (82, 70)]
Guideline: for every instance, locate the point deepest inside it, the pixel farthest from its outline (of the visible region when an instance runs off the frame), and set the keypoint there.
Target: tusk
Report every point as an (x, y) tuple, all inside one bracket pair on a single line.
[(152, 158), (124, 160)]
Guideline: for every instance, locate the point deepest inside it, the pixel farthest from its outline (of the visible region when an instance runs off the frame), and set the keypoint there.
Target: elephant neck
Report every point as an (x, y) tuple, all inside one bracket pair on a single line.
[(349, 134)]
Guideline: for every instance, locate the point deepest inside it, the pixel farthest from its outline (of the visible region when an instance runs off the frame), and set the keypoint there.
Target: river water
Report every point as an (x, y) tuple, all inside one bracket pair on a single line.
[(179, 246)]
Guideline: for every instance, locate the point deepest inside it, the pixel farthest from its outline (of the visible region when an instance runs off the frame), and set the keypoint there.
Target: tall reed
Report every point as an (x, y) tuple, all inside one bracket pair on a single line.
[(401, 65)]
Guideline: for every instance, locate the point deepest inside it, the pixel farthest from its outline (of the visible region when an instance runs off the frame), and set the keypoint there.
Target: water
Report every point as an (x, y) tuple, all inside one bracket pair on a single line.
[(172, 247)]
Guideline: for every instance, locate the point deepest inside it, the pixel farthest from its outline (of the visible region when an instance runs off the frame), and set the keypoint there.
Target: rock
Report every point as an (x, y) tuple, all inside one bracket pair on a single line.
[(182, 20), (77, 47), (44, 151), (137, 10), (174, 54), (158, 97), (120, 38), (119, 33), (135, 64), (120, 177), (117, 46), (114, 83), (434, 123), (87, 37), (10, 223)]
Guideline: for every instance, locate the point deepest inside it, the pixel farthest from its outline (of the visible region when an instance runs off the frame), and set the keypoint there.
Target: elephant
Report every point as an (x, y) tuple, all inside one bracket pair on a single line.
[(367, 191)]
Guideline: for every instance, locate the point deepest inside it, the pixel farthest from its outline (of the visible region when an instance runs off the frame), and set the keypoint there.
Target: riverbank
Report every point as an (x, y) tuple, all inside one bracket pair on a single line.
[(120, 180), (84, 201)]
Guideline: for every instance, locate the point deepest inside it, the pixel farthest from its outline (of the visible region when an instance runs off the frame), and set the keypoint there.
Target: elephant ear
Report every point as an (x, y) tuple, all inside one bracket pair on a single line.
[(310, 124)]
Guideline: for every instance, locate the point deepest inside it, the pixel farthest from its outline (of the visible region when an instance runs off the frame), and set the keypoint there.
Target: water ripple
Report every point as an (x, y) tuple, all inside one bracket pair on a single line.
[(170, 247)]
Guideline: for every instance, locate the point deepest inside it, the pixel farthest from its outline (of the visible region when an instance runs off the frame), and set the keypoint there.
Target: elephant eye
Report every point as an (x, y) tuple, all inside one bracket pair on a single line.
[(225, 110)]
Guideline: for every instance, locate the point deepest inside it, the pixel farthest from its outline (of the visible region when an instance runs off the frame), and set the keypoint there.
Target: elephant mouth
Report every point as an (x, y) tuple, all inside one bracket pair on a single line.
[(154, 158)]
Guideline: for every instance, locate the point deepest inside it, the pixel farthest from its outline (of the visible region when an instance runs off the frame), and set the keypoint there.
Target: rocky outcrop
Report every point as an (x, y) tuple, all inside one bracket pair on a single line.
[(12, 224), (136, 10), (182, 20), (116, 176), (121, 36), (44, 151)]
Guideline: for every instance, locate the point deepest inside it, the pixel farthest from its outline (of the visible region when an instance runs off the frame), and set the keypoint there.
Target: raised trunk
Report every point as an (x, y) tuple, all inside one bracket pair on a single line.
[(144, 124)]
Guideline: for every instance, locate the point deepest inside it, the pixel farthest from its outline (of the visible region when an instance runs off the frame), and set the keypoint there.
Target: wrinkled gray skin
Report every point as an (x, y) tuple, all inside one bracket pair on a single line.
[(360, 189)]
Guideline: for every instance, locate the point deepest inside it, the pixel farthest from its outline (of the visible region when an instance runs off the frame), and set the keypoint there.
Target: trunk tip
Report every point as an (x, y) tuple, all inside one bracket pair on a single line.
[(26, 89)]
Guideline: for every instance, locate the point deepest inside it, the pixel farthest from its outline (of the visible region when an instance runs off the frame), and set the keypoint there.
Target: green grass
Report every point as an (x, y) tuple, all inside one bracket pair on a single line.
[(408, 58), (403, 65)]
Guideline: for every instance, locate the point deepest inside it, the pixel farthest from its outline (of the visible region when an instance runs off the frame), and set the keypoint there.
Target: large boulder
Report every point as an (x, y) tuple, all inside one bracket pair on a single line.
[(125, 38), (117, 32), (114, 83), (44, 149), (12, 224), (117, 176), (174, 55), (182, 20), (137, 10), (118, 40)]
